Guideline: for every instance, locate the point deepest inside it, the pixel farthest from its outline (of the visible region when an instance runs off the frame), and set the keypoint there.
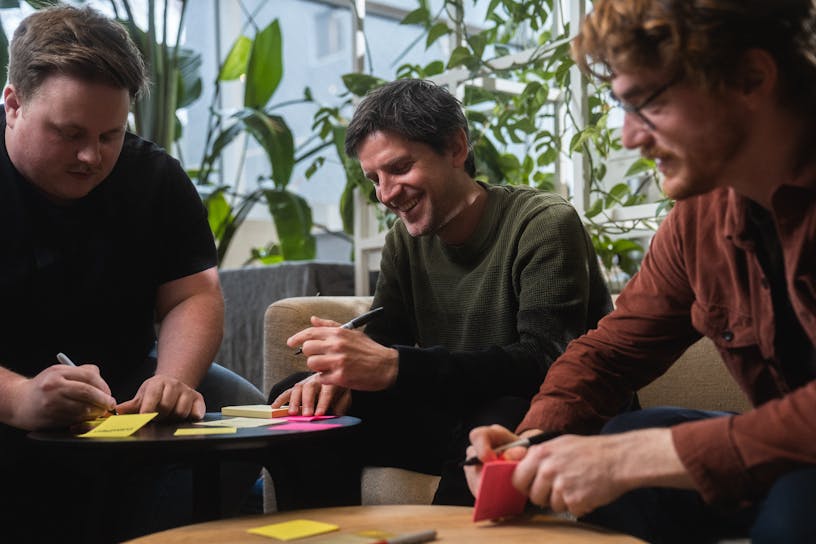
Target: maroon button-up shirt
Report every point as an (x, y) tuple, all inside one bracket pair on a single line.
[(701, 276)]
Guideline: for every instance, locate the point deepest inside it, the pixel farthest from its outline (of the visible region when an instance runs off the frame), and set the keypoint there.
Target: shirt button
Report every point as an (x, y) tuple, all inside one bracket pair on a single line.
[(727, 336)]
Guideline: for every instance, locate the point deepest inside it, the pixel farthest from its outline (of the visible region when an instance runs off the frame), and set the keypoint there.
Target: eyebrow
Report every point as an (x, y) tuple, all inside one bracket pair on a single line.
[(389, 164), (629, 94), (80, 128)]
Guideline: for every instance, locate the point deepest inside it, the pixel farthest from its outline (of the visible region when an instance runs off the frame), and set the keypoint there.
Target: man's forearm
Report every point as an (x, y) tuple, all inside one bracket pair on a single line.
[(8, 399), (189, 338), (647, 458)]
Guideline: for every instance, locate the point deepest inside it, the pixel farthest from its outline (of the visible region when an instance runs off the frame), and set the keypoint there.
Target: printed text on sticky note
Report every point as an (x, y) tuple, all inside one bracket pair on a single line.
[(120, 426)]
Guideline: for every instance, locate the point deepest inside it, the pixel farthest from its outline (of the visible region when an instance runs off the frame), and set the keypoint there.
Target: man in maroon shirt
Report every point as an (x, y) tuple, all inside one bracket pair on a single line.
[(722, 95)]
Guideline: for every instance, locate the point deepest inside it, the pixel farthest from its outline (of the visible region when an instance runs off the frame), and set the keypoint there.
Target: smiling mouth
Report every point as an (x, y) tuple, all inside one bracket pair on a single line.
[(403, 207)]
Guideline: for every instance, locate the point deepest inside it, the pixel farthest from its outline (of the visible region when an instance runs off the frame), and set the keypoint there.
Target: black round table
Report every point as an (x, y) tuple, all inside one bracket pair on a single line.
[(155, 443)]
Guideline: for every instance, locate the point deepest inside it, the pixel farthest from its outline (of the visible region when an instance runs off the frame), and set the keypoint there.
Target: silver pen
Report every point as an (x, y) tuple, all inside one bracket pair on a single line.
[(410, 538), (65, 360)]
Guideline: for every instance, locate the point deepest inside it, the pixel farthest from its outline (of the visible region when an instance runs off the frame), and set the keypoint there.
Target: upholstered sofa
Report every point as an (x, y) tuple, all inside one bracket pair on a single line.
[(697, 380)]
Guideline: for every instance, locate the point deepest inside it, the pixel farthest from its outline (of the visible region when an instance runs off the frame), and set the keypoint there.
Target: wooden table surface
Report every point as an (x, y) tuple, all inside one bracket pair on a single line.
[(452, 523)]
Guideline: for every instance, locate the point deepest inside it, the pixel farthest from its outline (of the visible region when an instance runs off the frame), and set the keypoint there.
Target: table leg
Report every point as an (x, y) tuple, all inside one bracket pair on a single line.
[(206, 490)]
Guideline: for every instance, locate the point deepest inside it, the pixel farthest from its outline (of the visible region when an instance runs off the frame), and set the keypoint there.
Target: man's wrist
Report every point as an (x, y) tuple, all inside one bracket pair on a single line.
[(392, 364), (647, 458), (12, 398)]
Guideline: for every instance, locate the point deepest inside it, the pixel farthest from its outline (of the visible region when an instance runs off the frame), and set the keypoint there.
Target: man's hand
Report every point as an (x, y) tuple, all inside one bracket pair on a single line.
[(58, 396), (171, 398), (308, 397), (346, 358), (483, 440), (580, 473), (577, 474)]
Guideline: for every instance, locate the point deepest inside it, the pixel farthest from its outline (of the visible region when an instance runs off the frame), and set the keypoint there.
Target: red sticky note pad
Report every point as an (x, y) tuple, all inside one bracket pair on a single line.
[(301, 419), (497, 497), (304, 426)]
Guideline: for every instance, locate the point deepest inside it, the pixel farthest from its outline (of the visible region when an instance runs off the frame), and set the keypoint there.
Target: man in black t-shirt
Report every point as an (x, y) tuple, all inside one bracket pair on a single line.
[(103, 235)]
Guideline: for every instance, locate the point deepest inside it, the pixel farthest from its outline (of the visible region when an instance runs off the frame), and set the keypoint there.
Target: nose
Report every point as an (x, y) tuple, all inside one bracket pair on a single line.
[(387, 190), (634, 133), (90, 153)]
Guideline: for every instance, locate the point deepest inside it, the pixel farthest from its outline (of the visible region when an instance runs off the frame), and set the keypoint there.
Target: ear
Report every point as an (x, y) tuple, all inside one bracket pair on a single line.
[(458, 148), (12, 104), (757, 77)]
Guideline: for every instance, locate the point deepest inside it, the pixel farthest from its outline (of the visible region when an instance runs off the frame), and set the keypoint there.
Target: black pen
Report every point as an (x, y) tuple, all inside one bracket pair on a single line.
[(355, 323), (521, 442)]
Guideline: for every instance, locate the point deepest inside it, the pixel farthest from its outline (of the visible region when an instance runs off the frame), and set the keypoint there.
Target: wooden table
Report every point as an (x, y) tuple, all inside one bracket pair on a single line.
[(452, 523)]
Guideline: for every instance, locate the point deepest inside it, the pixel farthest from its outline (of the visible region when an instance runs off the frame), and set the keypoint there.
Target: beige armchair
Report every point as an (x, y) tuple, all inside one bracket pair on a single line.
[(698, 380)]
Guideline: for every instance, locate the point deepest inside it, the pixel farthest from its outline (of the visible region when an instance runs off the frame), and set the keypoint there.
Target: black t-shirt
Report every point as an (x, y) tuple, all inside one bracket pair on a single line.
[(82, 278)]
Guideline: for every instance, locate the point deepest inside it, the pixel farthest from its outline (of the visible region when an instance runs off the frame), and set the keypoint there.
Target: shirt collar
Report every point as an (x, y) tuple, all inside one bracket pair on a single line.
[(789, 201)]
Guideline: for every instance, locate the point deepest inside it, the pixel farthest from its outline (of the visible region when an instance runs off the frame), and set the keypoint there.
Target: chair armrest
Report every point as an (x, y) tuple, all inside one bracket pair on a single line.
[(290, 315)]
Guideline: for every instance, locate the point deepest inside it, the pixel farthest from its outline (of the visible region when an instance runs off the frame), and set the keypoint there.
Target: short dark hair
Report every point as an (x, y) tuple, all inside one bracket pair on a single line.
[(703, 40), (79, 42), (415, 109)]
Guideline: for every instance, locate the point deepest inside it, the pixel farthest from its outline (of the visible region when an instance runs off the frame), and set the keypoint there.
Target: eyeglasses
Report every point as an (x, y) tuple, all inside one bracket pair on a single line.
[(638, 109)]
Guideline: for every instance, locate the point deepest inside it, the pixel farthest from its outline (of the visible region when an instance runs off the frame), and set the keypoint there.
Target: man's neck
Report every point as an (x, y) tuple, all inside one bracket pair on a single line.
[(771, 157), (463, 224)]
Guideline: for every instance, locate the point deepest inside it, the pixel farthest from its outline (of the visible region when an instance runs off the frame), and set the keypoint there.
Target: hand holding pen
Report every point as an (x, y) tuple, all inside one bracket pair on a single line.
[(355, 323), (520, 443), (65, 360), (347, 358)]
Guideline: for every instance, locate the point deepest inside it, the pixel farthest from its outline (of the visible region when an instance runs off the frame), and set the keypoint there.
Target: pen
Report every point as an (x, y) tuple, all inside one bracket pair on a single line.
[(65, 360), (355, 323), (522, 442), (410, 538)]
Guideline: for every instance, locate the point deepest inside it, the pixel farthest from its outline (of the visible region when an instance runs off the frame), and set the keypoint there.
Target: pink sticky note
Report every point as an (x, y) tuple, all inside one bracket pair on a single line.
[(304, 426), (497, 497), (300, 419)]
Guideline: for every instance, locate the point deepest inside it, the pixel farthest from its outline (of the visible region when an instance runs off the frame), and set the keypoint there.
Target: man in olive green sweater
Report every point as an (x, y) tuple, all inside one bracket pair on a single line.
[(483, 287)]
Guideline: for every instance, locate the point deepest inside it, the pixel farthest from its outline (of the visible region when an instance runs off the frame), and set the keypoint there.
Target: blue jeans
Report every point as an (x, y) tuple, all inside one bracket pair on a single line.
[(662, 515)]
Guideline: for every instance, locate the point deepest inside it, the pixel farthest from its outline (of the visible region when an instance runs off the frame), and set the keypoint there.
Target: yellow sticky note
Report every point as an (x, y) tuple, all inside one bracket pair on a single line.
[(119, 426), (205, 430), (297, 528)]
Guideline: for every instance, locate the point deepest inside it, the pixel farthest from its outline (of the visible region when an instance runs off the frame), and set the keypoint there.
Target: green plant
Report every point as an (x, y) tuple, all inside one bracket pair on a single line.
[(259, 62), (174, 71)]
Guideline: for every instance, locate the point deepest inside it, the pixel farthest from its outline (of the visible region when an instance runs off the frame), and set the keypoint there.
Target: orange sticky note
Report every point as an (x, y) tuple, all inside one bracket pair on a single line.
[(497, 497), (297, 528)]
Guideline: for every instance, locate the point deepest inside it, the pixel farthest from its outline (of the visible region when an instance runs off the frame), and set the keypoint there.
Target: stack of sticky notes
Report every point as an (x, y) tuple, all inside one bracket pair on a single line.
[(497, 497), (255, 410)]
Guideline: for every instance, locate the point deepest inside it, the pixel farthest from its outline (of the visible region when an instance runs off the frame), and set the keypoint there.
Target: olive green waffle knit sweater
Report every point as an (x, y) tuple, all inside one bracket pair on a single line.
[(487, 318)]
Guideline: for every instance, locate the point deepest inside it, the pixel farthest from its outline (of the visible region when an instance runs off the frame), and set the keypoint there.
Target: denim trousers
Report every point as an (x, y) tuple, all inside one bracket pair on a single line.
[(787, 514)]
